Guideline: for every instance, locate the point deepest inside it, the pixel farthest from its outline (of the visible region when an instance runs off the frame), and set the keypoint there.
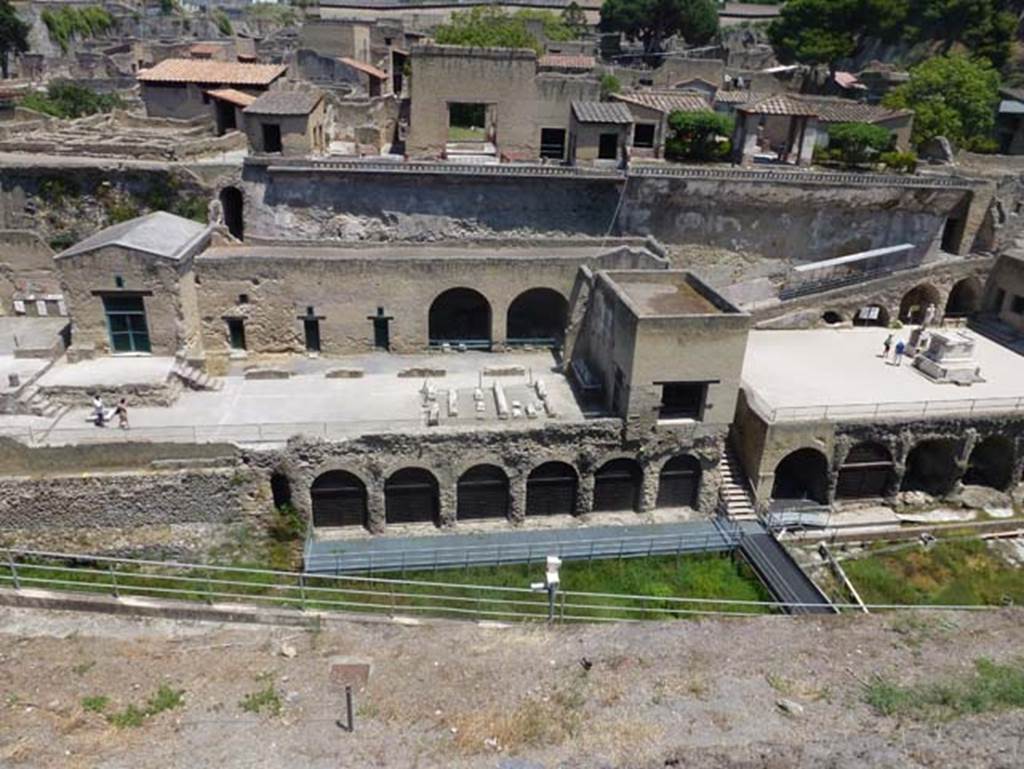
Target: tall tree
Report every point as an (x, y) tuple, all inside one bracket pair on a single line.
[(651, 21), (13, 35)]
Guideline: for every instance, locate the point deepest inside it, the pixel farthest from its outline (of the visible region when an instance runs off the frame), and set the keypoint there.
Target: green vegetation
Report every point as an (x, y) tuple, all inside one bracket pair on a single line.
[(65, 99), (493, 28), (265, 700), (575, 19), (961, 572), (13, 35), (70, 22), (273, 13), (609, 85), (900, 162), (856, 144), (698, 136), (222, 21), (951, 96), (96, 704), (991, 687), (652, 21), (165, 698), (827, 31)]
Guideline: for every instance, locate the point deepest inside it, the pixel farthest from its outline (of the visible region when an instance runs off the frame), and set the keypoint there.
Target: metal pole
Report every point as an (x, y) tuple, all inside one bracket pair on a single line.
[(302, 592), (113, 579), (14, 570), (349, 725), (552, 594)]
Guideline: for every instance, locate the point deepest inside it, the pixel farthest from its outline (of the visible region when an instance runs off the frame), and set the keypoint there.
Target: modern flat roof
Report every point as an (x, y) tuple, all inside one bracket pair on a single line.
[(797, 374), (664, 293)]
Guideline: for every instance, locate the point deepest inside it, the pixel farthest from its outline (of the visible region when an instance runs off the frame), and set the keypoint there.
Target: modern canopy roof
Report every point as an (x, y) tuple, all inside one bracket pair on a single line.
[(159, 233)]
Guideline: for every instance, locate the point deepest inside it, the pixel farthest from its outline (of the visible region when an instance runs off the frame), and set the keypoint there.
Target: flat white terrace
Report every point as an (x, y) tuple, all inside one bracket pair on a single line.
[(837, 374)]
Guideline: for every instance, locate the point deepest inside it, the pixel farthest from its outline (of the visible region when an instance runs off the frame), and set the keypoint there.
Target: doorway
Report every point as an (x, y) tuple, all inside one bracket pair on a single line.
[(608, 147)]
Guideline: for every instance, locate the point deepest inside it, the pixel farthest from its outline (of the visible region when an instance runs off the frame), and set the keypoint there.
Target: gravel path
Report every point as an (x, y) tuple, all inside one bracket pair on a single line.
[(686, 694)]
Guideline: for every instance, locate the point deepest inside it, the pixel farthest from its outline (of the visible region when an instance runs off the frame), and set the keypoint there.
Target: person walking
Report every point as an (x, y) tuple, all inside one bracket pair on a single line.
[(900, 349), (122, 414), (887, 346), (99, 411)]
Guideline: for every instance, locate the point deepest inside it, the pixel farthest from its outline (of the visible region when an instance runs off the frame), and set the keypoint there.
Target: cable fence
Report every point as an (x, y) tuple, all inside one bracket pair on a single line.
[(126, 579)]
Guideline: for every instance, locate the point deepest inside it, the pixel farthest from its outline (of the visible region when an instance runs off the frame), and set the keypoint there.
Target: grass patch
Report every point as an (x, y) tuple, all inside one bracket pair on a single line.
[(165, 698), (961, 572), (990, 687), (96, 704), (466, 134), (266, 700)]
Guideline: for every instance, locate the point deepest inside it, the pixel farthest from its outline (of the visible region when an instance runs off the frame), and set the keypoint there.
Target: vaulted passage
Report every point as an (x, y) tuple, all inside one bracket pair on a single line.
[(991, 463), (460, 316), (964, 298), (410, 496), (280, 490), (679, 482), (537, 316), (802, 475), (617, 485), (915, 302), (931, 467), (551, 489), (339, 499), (232, 205), (866, 472), (482, 493)]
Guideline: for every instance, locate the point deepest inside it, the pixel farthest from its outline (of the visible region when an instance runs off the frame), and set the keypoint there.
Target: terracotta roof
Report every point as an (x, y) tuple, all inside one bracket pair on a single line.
[(601, 112), (663, 101), (684, 83), (834, 110), (369, 69), (780, 104), (567, 61), (285, 103), (733, 97), (232, 96), (209, 71)]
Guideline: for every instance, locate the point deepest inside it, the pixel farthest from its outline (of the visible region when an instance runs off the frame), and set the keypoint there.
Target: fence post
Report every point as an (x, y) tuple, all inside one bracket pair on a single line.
[(302, 591), (14, 570), (113, 579), (209, 588)]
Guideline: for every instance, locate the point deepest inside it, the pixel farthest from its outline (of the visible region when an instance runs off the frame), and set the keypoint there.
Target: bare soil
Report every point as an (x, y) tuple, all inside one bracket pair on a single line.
[(701, 693)]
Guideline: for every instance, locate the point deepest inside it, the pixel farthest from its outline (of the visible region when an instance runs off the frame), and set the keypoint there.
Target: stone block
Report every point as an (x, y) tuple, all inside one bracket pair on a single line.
[(267, 373), (344, 373), (80, 352), (504, 371), (419, 372)]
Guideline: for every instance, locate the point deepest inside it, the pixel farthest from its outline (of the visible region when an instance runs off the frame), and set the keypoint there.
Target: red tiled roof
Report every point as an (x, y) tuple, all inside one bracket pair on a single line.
[(368, 69), (209, 71), (232, 96), (780, 104), (567, 61), (663, 101)]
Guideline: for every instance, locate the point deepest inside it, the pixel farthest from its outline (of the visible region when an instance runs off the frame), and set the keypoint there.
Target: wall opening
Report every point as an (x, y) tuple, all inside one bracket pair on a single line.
[(537, 317), (460, 316), (608, 146), (831, 317), (931, 467), (682, 400), (964, 298), (411, 496), (915, 303), (271, 137), (339, 499), (482, 492), (551, 489), (468, 122), (801, 476), (236, 333), (552, 143), (231, 204), (617, 486), (280, 490), (991, 463), (126, 323), (866, 472), (679, 482)]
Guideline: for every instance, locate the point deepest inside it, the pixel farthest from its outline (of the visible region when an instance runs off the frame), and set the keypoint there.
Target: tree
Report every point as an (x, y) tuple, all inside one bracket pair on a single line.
[(575, 19), (698, 136), (952, 96), (13, 35), (488, 28), (651, 21), (855, 144)]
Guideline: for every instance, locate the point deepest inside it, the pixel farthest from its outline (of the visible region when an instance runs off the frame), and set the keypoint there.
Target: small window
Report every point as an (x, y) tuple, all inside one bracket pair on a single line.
[(236, 333), (682, 400), (311, 330), (645, 81), (552, 143), (243, 299), (271, 137), (643, 135), (119, 281), (1018, 305), (309, 310)]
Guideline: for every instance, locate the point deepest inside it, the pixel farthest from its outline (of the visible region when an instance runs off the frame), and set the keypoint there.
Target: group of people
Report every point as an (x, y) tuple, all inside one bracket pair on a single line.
[(898, 351), (101, 416)]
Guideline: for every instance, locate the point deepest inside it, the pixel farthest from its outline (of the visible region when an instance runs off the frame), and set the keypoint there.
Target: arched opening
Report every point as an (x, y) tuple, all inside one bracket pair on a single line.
[(964, 298), (617, 485), (231, 203), (410, 496), (679, 482), (339, 499), (537, 317), (915, 302), (551, 489), (460, 316), (871, 315), (482, 492), (931, 467), (866, 472), (991, 463), (831, 317), (802, 475), (280, 490)]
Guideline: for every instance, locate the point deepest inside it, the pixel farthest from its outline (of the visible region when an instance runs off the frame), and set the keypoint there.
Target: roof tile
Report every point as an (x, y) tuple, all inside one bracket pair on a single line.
[(210, 71), (280, 102), (662, 101), (567, 61), (601, 112)]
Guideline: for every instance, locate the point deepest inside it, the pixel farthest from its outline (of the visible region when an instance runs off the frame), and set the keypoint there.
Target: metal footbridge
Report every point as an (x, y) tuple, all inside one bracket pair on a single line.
[(750, 539)]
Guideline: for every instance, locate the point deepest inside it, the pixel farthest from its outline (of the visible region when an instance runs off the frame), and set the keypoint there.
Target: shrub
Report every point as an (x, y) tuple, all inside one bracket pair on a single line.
[(65, 99), (609, 85), (904, 162), (698, 136), (288, 525), (266, 699), (70, 22), (854, 144), (223, 22)]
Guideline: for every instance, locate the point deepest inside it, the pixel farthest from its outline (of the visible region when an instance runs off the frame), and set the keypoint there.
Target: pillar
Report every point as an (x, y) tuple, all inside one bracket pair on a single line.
[(517, 498), (585, 493), (649, 486), (376, 519)]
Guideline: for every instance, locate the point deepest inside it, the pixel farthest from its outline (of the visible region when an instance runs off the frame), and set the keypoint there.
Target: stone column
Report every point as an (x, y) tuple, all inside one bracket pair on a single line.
[(585, 493), (376, 520), (648, 487), (446, 501), (517, 498), (710, 486)]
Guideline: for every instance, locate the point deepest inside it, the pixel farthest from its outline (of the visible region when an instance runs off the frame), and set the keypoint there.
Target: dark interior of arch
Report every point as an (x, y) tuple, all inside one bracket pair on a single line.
[(617, 485), (410, 496), (280, 490), (339, 499), (460, 315), (537, 315), (964, 298), (482, 493), (551, 489), (991, 464), (802, 476), (931, 467), (866, 472), (915, 303), (679, 482)]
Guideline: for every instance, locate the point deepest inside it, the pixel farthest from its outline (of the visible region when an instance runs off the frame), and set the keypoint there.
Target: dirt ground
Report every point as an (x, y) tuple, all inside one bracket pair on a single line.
[(701, 693)]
